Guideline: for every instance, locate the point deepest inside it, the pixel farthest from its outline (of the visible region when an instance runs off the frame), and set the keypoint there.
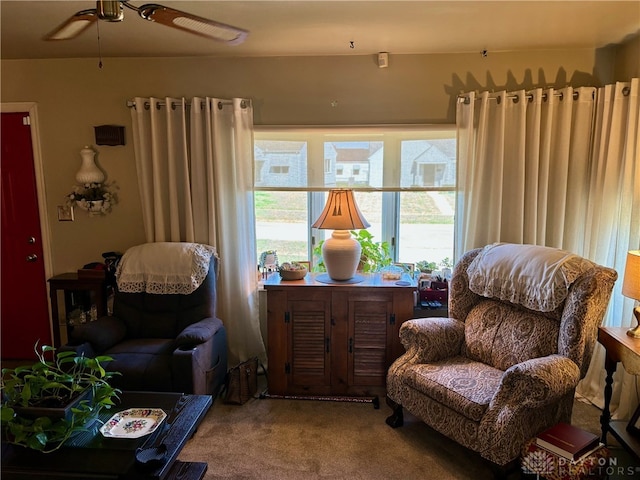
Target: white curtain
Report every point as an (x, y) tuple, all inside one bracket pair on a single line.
[(522, 177), (194, 161), (613, 224), (559, 168)]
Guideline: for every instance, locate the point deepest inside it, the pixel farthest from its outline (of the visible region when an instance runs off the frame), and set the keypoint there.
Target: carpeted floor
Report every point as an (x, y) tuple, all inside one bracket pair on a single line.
[(302, 439)]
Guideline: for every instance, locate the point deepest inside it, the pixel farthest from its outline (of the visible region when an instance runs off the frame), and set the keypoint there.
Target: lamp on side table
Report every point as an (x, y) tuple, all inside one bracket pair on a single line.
[(341, 252)]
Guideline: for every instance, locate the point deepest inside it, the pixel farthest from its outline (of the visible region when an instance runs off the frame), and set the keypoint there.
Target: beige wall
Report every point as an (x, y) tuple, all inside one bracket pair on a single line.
[(74, 95), (627, 59)]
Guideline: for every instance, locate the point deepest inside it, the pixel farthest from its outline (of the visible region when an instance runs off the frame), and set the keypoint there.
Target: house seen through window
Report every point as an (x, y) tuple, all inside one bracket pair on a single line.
[(403, 180)]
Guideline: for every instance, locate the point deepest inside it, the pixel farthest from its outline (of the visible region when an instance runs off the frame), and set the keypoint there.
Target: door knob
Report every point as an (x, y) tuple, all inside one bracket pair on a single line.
[(32, 258), (31, 240)]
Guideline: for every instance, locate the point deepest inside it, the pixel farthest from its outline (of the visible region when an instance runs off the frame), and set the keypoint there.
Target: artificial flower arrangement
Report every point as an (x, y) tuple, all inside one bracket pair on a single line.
[(96, 198)]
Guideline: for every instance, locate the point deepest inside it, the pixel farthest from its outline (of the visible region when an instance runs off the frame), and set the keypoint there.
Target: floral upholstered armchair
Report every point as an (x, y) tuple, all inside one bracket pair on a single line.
[(505, 365)]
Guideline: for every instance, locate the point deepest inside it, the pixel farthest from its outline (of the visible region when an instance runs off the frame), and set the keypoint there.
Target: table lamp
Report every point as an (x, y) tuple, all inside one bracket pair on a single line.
[(341, 252), (631, 287)]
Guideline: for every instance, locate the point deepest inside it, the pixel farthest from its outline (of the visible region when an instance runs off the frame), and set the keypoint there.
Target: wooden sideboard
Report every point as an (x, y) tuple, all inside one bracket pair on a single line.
[(334, 339)]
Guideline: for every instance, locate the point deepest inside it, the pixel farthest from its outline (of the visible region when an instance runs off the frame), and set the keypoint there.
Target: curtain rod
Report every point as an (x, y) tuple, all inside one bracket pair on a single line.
[(464, 97), (174, 105)]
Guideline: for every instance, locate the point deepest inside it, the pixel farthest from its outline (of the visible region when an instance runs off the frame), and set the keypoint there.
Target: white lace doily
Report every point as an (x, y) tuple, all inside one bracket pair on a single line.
[(164, 267), (533, 276)]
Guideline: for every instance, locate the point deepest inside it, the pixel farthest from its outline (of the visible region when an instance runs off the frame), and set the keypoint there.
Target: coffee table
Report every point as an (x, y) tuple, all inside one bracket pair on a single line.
[(91, 456)]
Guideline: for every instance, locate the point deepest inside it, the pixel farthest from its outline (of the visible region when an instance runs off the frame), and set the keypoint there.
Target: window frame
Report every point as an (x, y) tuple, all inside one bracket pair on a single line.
[(318, 165)]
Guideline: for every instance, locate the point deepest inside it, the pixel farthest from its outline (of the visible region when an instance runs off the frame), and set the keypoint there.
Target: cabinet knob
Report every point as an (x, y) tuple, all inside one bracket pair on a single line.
[(32, 258)]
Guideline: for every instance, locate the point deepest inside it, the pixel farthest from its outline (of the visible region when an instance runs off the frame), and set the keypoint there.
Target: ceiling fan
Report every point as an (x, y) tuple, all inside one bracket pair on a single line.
[(112, 11)]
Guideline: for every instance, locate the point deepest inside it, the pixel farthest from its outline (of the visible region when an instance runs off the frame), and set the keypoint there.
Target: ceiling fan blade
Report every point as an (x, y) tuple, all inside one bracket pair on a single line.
[(74, 26), (193, 23)]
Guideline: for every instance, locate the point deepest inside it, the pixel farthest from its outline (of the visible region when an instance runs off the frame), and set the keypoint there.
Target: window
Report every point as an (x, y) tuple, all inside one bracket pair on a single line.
[(403, 178), (279, 169)]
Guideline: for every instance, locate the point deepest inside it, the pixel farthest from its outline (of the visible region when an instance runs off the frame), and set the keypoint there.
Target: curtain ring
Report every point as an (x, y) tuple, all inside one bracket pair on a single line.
[(498, 100), (220, 105), (561, 95), (158, 106), (516, 99), (626, 91)]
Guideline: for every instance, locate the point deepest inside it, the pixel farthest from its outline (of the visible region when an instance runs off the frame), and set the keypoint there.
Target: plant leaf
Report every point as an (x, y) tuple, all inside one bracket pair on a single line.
[(6, 414)]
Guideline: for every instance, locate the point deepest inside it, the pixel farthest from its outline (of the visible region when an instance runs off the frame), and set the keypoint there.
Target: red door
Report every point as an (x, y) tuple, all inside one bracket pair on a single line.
[(24, 309)]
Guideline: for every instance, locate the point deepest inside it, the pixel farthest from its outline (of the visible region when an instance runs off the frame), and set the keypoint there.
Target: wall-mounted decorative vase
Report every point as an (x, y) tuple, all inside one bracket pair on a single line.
[(89, 172)]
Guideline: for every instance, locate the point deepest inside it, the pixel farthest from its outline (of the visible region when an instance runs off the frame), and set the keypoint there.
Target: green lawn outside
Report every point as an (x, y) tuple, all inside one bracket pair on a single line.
[(292, 207), (288, 250), (282, 214)]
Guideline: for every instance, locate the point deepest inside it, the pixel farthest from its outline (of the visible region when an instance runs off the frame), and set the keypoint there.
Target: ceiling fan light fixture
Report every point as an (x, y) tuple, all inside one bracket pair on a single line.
[(113, 11), (74, 26), (193, 24), (110, 10)]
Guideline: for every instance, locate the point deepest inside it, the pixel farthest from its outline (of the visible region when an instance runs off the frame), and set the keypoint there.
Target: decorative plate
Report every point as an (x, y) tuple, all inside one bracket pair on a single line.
[(133, 423)]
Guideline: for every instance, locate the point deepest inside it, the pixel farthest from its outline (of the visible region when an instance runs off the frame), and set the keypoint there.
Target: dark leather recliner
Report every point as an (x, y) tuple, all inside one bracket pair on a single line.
[(161, 342)]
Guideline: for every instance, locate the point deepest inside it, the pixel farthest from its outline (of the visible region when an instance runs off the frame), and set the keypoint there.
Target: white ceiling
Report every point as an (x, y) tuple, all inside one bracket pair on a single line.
[(327, 28)]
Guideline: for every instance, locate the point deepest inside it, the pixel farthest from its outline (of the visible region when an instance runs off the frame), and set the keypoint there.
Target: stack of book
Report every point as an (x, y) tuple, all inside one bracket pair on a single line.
[(568, 441)]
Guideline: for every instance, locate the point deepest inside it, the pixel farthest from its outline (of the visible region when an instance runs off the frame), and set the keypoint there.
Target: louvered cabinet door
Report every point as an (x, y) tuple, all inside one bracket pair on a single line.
[(309, 346), (370, 321)]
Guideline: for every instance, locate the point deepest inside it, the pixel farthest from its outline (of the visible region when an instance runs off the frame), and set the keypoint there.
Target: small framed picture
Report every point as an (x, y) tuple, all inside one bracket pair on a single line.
[(65, 213), (306, 263)]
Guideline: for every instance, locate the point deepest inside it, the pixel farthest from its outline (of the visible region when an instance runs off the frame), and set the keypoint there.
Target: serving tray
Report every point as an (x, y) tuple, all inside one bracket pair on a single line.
[(133, 423)]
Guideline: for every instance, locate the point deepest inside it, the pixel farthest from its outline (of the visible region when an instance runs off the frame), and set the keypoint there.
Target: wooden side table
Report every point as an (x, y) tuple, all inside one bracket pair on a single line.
[(70, 284), (619, 347)]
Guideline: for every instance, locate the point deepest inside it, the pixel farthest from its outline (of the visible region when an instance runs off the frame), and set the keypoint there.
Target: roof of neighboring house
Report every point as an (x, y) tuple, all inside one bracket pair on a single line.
[(280, 146), (353, 152), (352, 155), (429, 151)]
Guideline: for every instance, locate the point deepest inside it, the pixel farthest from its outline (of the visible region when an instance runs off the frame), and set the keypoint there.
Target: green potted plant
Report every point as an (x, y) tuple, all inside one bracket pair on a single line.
[(45, 403), (446, 262), (373, 257), (446, 267), (425, 266)]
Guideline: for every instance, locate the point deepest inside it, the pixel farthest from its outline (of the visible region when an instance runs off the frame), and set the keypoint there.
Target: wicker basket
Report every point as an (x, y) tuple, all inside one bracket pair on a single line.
[(293, 274)]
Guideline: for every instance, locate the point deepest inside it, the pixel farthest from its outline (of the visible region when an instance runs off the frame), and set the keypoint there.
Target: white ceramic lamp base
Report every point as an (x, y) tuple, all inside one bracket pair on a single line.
[(341, 255)]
